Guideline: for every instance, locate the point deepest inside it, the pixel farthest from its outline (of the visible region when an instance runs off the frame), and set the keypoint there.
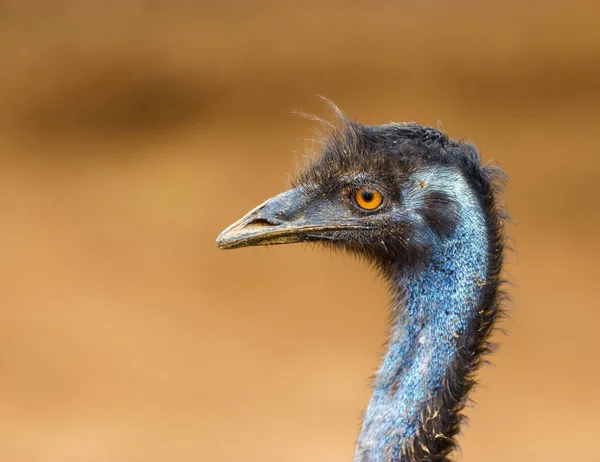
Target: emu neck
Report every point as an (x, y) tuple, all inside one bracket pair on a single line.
[(435, 314)]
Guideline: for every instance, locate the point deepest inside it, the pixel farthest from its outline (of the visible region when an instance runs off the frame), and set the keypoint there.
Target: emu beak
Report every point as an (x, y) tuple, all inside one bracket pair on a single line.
[(283, 219)]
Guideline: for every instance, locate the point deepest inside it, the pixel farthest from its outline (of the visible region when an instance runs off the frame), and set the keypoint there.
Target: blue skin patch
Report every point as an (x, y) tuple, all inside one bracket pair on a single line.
[(434, 309)]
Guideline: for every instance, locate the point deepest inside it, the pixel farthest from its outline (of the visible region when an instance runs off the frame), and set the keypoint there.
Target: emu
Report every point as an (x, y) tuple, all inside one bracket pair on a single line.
[(424, 210)]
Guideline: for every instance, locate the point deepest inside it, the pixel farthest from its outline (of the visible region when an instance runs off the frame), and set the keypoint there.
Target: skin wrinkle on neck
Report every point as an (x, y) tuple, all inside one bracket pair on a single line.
[(433, 310)]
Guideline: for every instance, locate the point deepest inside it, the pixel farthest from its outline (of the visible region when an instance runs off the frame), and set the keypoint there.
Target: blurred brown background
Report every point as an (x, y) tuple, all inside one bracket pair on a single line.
[(131, 133)]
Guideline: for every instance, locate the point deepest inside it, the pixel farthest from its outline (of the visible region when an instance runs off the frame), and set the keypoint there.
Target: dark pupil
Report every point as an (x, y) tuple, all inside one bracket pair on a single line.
[(367, 196)]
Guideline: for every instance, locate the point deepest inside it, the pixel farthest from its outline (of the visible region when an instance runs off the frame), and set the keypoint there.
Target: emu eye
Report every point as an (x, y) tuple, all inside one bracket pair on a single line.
[(368, 199)]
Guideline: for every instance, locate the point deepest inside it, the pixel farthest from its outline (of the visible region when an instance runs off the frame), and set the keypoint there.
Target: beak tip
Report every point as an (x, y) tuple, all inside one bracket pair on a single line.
[(232, 237), (222, 240), (228, 237)]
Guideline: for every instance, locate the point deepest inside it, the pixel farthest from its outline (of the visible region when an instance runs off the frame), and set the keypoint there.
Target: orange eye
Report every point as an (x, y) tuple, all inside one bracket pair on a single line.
[(368, 199)]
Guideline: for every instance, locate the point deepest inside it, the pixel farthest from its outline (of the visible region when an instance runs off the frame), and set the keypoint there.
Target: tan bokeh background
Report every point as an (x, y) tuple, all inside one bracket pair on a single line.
[(131, 133)]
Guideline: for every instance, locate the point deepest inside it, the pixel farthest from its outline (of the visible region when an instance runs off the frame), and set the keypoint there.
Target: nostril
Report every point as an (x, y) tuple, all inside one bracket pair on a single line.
[(260, 222), (266, 222)]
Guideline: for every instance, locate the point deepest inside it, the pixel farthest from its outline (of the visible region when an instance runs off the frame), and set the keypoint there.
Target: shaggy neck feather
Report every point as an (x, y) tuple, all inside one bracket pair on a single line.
[(433, 310)]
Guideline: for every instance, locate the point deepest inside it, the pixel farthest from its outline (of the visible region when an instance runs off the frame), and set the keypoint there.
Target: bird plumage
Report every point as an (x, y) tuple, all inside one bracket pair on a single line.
[(437, 236)]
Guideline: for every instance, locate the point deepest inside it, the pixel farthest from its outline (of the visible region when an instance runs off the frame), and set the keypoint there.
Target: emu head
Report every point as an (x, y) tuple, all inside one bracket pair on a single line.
[(388, 192)]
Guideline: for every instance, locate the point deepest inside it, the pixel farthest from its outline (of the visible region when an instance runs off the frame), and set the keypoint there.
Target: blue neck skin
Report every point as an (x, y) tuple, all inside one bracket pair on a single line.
[(432, 311)]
